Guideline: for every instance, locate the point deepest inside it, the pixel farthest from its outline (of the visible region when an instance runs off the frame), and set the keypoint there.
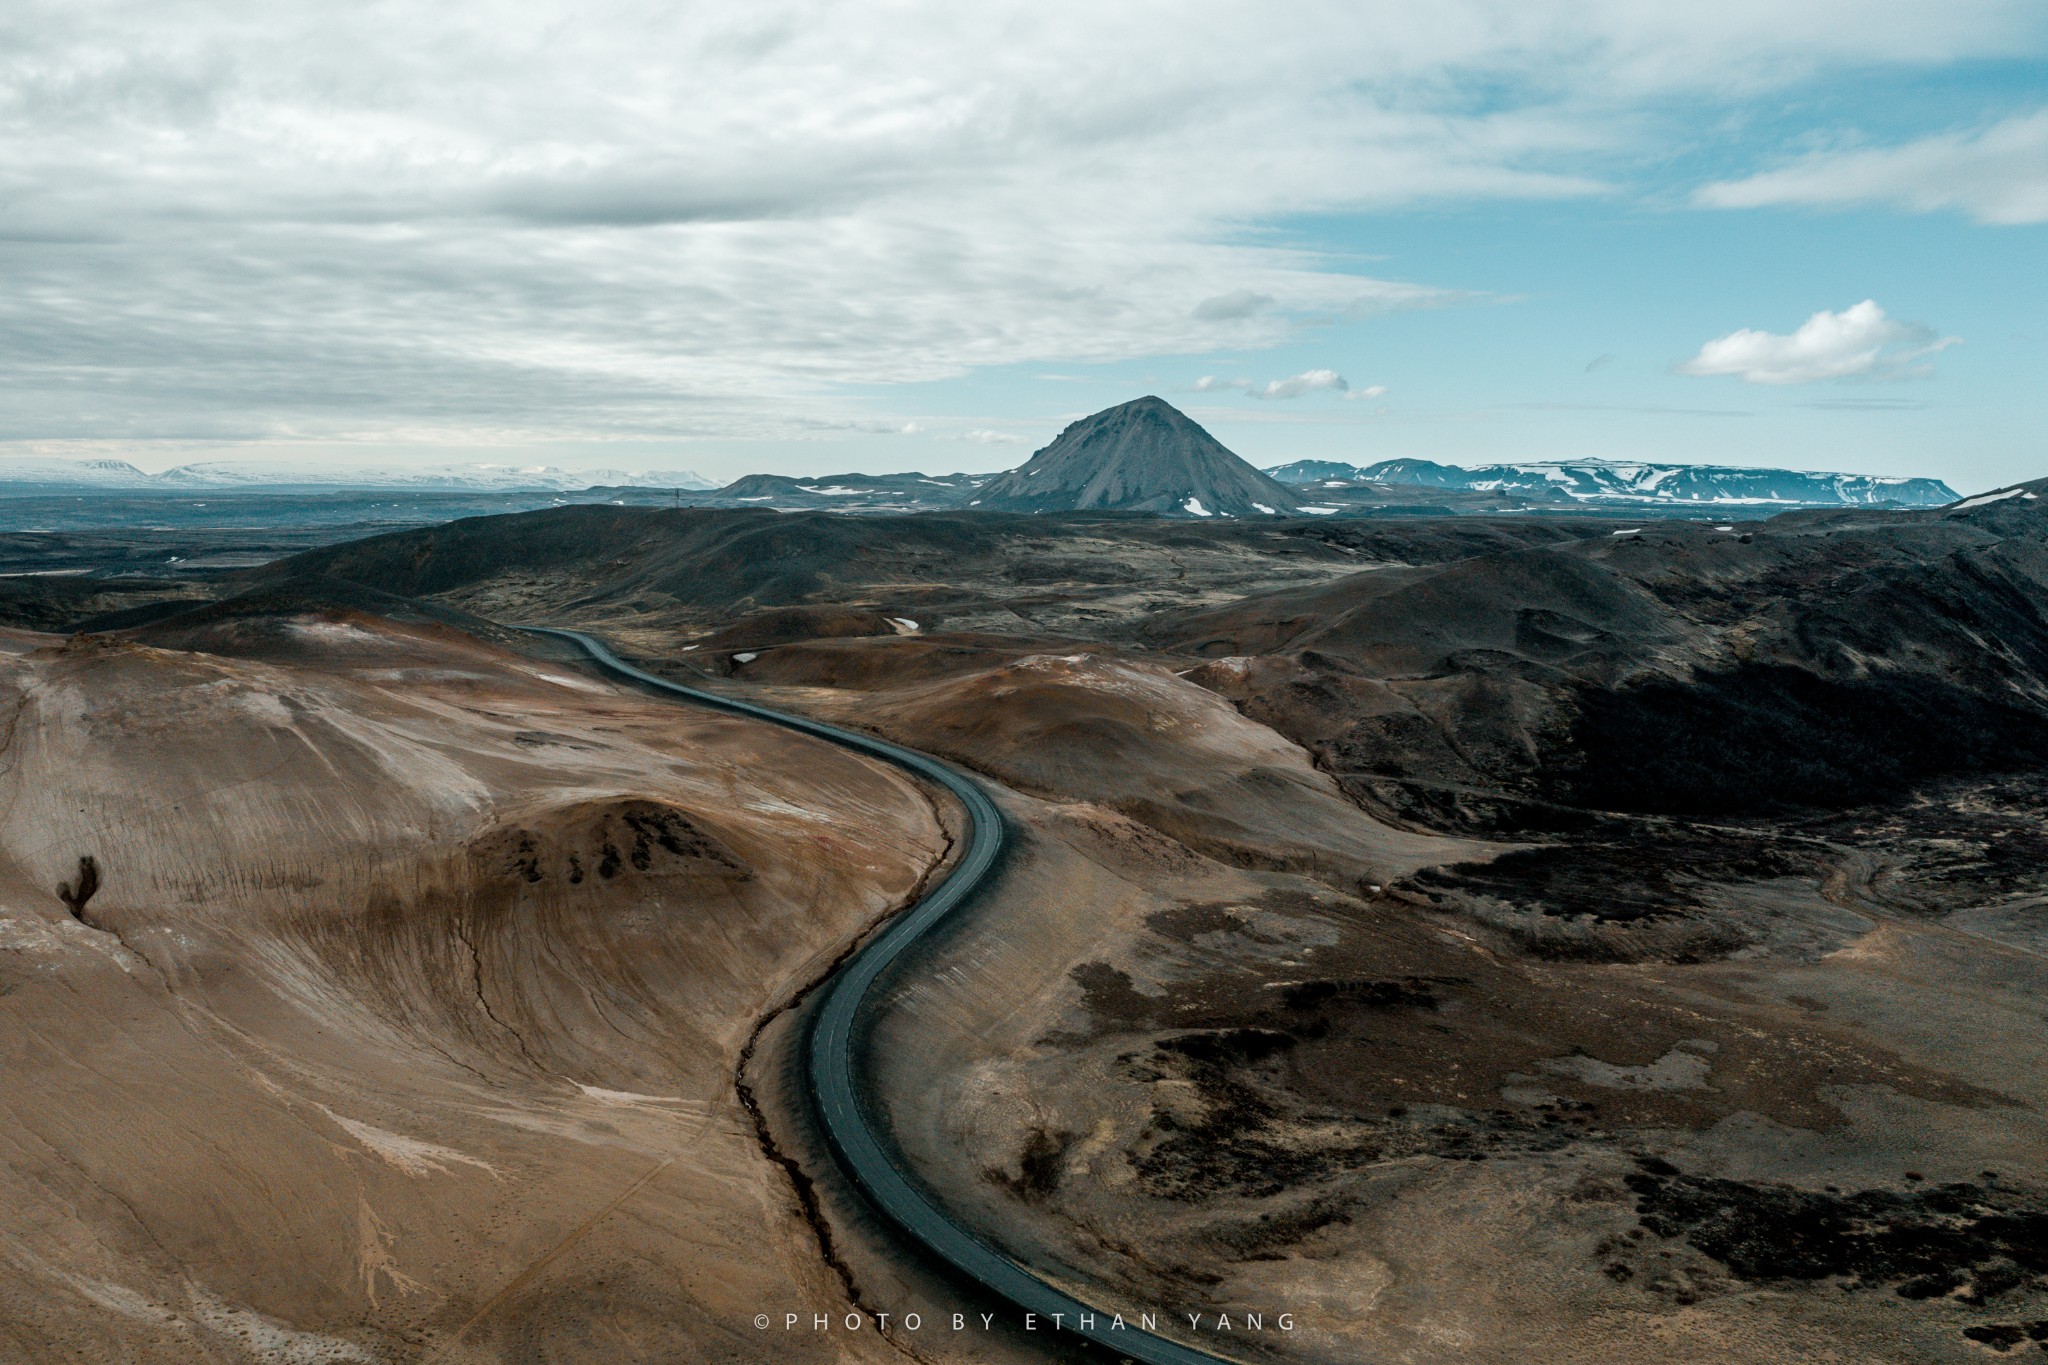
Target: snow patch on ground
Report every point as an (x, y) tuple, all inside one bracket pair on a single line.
[(1982, 498), (1195, 505), (746, 658), (1267, 510), (1321, 511), (903, 624)]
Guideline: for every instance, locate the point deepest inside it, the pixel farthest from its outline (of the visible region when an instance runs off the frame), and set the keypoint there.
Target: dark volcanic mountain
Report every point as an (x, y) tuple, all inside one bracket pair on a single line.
[(1142, 456)]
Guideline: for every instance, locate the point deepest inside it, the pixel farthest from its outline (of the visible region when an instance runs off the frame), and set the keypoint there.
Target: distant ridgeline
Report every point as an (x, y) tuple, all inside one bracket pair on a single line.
[(118, 476), (1625, 482), (1142, 456)]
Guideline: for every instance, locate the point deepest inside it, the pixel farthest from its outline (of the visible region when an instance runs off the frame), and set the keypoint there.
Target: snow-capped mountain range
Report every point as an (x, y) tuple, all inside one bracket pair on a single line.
[(119, 475), (1621, 483), (1613, 483)]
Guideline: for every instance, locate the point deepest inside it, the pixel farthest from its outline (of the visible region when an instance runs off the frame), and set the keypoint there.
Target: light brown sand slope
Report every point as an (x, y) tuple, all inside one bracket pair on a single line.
[(1154, 746), (403, 1023)]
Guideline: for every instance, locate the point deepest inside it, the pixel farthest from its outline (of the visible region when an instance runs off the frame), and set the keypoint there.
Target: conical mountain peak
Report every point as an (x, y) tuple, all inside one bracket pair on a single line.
[(1142, 456)]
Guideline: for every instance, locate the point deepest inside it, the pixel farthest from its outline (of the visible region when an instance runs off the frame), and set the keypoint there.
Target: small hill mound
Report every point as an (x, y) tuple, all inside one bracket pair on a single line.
[(708, 557), (1312, 471), (251, 622), (1142, 456), (287, 595)]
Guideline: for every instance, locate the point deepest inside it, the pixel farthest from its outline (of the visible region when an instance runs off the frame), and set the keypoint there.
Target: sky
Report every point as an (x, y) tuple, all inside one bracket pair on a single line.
[(810, 238)]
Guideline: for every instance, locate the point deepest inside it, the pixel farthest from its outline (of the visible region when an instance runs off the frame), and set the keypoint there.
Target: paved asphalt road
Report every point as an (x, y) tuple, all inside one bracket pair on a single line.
[(857, 1140)]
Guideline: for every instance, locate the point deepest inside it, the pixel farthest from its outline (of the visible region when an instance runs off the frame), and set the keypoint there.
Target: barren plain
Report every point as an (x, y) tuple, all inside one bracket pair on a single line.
[(1480, 940)]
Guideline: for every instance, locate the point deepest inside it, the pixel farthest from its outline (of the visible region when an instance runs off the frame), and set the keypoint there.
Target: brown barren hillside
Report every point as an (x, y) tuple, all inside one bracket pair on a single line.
[(403, 1019)]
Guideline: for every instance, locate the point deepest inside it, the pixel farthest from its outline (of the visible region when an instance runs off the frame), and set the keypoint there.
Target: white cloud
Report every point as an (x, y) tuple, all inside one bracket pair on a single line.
[(984, 436), (1997, 174), (1308, 381), (299, 221), (1859, 342), (1369, 391), (1294, 386)]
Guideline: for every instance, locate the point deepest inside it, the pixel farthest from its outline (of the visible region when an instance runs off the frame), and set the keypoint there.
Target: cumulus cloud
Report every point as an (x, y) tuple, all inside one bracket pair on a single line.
[(302, 221), (1997, 174), (1859, 342), (984, 436)]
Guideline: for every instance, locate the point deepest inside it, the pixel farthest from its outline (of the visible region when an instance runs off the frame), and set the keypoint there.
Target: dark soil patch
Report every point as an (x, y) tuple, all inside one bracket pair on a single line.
[(1245, 1143), (1232, 1149), (81, 889), (1414, 992), (1975, 1242), (1957, 843), (1039, 1166), (2003, 1336), (1395, 1014), (643, 835), (1647, 877)]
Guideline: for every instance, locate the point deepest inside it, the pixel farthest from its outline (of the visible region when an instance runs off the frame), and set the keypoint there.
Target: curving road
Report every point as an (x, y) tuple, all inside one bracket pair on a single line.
[(857, 1139)]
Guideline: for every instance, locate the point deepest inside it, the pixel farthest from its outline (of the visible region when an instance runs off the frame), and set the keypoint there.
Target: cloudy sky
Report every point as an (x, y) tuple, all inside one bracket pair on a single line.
[(810, 237)]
